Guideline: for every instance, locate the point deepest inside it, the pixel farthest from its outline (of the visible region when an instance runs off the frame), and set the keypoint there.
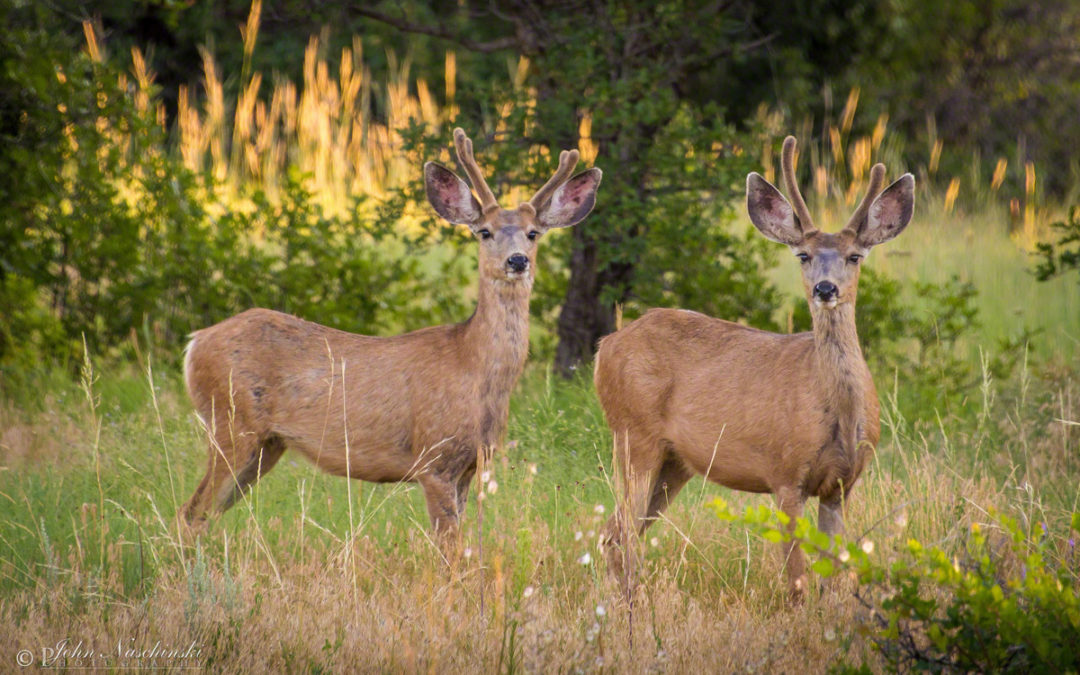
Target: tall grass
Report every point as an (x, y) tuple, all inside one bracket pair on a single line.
[(311, 573), (314, 573)]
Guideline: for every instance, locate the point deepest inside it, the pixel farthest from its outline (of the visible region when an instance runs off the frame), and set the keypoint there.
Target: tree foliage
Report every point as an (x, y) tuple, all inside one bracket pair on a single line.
[(1063, 256)]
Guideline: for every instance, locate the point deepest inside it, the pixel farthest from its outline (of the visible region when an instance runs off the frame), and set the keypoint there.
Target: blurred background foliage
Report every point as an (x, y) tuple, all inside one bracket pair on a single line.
[(165, 164)]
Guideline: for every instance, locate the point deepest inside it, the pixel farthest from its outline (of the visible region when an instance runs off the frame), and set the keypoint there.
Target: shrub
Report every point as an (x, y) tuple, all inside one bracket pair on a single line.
[(1065, 255), (1004, 600)]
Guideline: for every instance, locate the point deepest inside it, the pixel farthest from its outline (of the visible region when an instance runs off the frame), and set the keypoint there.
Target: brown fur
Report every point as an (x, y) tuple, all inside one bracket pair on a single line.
[(791, 415), (413, 407)]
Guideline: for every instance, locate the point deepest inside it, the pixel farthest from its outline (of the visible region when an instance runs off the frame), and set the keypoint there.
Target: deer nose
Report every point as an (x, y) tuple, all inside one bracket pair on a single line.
[(517, 263), (826, 290)]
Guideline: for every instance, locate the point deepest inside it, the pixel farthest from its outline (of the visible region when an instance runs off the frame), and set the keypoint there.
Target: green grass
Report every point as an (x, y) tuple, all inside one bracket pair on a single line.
[(312, 572), (287, 557)]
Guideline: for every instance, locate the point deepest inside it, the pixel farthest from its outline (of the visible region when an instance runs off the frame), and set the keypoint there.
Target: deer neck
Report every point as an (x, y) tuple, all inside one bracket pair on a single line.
[(841, 369), (498, 336)]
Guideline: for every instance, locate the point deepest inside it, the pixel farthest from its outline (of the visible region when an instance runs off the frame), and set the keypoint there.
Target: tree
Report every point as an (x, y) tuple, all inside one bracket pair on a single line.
[(672, 164)]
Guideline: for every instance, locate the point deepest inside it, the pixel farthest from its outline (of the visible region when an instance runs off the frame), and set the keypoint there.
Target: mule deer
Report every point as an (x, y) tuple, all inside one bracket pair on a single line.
[(414, 407), (792, 415)]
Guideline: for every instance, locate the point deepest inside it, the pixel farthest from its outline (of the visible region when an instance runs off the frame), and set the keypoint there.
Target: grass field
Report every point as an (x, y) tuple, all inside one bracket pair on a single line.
[(312, 573), (315, 574)]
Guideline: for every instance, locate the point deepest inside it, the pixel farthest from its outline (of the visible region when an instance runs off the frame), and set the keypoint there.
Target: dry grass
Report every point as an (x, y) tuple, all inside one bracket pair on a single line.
[(312, 574), (291, 581)]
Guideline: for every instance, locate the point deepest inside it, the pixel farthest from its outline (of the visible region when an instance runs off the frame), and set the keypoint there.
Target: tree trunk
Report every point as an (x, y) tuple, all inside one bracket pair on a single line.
[(586, 316)]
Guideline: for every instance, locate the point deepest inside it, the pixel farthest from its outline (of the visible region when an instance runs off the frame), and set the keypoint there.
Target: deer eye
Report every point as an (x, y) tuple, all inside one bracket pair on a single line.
[(854, 258), (485, 233), (533, 234), (803, 257)]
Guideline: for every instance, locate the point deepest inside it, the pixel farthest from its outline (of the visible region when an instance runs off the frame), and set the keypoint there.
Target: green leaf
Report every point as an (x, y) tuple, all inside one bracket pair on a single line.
[(824, 567), (775, 536)]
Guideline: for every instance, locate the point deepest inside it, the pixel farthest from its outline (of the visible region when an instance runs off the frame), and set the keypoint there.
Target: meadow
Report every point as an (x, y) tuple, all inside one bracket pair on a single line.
[(311, 573)]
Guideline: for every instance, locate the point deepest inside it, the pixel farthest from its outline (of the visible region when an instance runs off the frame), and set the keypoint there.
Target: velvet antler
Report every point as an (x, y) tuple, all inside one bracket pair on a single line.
[(787, 163), (568, 159), (476, 177)]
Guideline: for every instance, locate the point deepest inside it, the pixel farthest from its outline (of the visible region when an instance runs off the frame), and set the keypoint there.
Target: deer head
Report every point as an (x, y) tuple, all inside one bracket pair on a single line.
[(508, 238), (830, 261)]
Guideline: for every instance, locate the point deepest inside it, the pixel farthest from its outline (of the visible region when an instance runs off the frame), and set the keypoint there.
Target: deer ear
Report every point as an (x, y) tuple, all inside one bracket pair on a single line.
[(450, 196), (770, 212), (572, 201), (890, 213)]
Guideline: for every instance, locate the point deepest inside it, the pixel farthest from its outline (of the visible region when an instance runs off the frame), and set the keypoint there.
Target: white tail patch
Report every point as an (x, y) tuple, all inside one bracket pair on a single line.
[(187, 360)]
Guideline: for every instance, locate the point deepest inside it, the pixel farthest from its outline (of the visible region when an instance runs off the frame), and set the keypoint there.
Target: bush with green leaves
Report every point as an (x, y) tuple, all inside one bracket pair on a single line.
[(1063, 256), (1002, 599), (104, 234)]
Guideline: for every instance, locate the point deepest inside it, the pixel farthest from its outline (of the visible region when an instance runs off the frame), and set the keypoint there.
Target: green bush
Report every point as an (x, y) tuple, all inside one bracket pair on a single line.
[(1065, 255), (104, 234), (1003, 600)]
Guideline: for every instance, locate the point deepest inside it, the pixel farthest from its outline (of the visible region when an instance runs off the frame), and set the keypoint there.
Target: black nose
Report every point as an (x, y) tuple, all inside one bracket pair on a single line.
[(517, 262), (826, 290)]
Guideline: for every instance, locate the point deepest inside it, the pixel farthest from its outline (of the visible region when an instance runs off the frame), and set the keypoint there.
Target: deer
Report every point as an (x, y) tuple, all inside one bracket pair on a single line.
[(792, 415), (415, 407)]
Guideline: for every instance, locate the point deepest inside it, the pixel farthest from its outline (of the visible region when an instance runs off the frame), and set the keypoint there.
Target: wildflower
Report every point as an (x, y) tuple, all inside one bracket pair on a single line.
[(492, 486), (830, 635), (585, 559), (600, 611), (598, 509), (654, 542), (532, 469), (578, 535), (901, 519), (868, 547), (844, 556), (467, 553), (485, 477), (527, 593)]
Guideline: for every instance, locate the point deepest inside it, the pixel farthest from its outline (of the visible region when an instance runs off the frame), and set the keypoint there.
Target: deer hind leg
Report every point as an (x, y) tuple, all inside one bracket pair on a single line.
[(441, 496), (791, 501), (236, 460), (638, 473), (671, 478), (463, 490), (225, 450), (265, 456)]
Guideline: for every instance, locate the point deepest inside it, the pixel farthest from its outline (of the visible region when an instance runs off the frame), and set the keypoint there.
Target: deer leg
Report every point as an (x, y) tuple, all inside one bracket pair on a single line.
[(463, 490), (631, 508), (831, 516), (225, 453), (831, 522), (259, 462), (791, 501), (673, 475), (442, 498)]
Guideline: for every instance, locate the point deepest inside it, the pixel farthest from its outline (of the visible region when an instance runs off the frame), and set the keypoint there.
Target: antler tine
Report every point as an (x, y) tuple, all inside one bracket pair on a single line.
[(787, 163), (465, 155), (568, 159), (877, 179)]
